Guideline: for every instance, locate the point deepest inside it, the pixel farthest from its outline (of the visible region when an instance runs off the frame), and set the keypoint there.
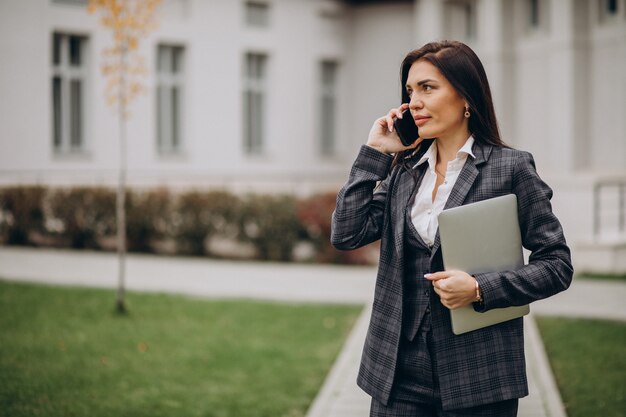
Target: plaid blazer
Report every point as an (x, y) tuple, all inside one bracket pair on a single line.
[(475, 368)]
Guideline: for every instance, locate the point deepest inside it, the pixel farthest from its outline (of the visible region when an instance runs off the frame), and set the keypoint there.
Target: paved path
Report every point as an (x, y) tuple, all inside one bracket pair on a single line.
[(192, 276), (339, 396)]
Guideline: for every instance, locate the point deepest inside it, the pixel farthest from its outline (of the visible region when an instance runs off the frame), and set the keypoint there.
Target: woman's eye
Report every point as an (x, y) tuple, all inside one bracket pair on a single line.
[(409, 92), (427, 87)]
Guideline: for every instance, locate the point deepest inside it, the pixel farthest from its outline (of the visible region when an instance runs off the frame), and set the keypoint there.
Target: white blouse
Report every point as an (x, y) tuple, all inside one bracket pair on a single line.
[(425, 211)]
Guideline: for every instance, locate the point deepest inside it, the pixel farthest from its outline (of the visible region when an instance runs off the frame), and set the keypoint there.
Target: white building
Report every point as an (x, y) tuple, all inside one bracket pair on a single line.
[(279, 94)]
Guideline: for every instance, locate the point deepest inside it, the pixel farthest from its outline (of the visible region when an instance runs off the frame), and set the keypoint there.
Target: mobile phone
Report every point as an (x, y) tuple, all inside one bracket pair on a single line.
[(406, 128)]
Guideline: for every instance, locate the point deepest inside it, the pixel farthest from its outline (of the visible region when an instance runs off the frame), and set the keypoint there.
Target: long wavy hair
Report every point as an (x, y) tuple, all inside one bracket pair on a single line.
[(463, 69)]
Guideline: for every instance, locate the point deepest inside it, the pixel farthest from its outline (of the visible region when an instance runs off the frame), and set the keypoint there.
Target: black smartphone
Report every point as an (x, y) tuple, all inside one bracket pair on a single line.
[(406, 128)]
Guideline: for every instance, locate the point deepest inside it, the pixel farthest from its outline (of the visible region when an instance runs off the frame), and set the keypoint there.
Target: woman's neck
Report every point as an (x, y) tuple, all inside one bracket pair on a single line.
[(448, 147)]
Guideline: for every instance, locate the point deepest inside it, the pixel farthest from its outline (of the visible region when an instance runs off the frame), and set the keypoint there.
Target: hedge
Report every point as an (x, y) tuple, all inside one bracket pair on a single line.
[(215, 223)]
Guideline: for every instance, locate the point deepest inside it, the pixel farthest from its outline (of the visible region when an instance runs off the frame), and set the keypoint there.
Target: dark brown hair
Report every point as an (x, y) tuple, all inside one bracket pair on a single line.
[(463, 69)]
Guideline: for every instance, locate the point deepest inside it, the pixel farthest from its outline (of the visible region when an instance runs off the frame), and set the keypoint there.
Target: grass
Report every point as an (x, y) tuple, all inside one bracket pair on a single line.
[(63, 352), (605, 277), (589, 362)]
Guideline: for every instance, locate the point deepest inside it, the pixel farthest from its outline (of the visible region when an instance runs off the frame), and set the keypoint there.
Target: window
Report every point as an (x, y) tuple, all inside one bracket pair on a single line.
[(460, 19), (328, 107), (257, 14), (610, 7), (254, 102), (609, 10), (533, 13), (68, 92), (170, 66), (81, 3), (536, 16)]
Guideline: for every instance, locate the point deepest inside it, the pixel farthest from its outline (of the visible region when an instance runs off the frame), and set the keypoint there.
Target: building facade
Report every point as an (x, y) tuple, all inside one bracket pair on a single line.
[(277, 95)]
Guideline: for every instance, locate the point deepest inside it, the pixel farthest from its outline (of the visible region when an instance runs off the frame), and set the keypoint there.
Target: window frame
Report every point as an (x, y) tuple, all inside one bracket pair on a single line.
[(537, 17), (170, 77), (606, 17), (469, 10), (69, 119), (254, 102), (75, 3), (328, 93), (257, 14)]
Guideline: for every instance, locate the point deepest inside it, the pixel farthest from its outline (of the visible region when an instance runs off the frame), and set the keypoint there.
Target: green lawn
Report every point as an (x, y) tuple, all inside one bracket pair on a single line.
[(588, 358), (605, 277), (63, 352)]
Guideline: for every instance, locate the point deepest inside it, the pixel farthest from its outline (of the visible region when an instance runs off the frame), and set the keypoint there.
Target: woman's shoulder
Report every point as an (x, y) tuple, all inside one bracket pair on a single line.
[(511, 155)]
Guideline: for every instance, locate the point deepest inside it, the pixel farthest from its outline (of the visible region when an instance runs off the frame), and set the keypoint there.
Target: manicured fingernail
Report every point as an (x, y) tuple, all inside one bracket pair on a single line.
[(427, 275)]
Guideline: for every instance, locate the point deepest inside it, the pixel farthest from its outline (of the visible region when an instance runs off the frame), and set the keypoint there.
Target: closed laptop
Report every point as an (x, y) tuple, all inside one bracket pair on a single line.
[(482, 237)]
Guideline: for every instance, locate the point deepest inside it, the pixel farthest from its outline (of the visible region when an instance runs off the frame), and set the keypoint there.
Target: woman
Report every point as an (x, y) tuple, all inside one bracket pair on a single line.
[(412, 363)]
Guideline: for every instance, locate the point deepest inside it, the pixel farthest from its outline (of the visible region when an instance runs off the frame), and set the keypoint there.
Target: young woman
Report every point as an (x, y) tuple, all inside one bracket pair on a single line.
[(412, 363)]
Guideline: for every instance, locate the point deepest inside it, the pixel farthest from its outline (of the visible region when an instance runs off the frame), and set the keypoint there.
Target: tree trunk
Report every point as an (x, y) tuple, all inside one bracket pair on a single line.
[(120, 305)]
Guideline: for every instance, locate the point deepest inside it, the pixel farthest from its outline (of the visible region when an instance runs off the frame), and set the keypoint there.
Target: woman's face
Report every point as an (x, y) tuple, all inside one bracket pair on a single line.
[(435, 105)]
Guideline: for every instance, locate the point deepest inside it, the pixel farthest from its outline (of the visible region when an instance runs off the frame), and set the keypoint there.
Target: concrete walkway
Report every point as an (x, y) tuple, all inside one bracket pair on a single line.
[(339, 396), (192, 276)]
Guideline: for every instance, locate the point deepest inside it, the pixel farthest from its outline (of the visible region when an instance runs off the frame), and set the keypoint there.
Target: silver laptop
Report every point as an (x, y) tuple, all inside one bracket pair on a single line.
[(482, 237)]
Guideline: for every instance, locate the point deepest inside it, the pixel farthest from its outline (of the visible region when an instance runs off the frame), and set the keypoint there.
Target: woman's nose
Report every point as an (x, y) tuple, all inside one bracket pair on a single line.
[(416, 103)]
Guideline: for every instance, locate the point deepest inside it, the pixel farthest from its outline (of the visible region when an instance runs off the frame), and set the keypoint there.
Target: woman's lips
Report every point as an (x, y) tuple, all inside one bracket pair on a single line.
[(421, 120)]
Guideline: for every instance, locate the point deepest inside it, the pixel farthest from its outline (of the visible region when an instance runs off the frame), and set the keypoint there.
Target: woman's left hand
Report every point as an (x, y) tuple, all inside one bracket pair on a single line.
[(456, 289)]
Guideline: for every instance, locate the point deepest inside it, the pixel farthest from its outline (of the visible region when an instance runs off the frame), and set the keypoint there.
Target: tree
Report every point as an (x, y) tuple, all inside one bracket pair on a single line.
[(129, 22)]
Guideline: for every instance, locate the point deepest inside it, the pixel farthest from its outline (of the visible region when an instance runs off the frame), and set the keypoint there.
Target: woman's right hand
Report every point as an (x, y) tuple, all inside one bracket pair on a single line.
[(383, 136)]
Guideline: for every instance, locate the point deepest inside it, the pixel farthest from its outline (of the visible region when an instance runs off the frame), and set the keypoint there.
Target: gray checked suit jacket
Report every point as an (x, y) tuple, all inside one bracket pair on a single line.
[(478, 367)]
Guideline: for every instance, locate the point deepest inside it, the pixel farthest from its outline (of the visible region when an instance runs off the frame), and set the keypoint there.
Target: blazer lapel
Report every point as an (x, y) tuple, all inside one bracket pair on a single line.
[(463, 184), (407, 183)]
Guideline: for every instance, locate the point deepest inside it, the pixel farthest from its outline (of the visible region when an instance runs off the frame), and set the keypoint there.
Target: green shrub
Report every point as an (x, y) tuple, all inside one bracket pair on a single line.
[(199, 216), (21, 213), (214, 223), (85, 214), (148, 219), (271, 224)]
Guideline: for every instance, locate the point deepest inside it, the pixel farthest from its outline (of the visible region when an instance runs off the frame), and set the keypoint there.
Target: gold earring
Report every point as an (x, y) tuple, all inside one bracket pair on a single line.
[(467, 113)]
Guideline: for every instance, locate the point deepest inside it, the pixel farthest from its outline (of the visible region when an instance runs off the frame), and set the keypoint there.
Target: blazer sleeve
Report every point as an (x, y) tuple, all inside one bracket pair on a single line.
[(359, 213), (549, 269)]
